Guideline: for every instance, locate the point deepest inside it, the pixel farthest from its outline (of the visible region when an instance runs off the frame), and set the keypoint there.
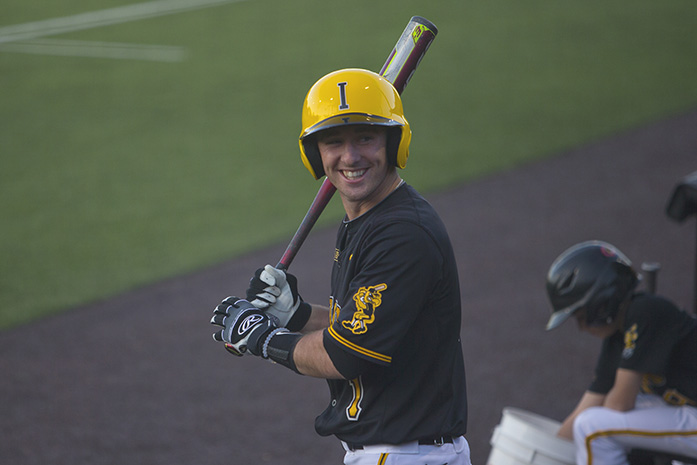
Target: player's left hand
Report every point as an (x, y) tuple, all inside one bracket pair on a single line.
[(276, 292), (245, 327)]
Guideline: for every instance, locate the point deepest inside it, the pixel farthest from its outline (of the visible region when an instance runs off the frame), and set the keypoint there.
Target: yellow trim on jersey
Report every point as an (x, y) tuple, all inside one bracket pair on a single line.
[(359, 349), (619, 432), (353, 411), (383, 459)]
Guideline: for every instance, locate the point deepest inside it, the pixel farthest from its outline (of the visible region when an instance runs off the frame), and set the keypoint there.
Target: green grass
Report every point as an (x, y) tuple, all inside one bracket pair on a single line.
[(118, 173)]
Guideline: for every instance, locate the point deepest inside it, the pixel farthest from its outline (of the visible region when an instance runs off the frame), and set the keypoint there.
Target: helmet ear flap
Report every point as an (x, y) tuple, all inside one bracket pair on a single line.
[(398, 140), (620, 280), (394, 139), (602, 307), (311, 156)]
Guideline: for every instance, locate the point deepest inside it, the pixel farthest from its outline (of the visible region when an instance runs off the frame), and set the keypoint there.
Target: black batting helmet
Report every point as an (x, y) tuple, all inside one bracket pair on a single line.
[(593, 276)]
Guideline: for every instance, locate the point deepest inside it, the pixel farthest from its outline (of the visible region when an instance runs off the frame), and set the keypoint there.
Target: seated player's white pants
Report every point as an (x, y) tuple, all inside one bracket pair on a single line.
[(457, 453), (604, 436)]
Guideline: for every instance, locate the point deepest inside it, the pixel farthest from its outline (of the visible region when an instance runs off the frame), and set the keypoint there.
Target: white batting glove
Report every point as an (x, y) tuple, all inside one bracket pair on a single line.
[(275, 292)]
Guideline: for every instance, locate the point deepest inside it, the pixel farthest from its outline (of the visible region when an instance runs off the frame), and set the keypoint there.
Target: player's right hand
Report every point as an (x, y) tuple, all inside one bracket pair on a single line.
[(275, 292), (244, 326)]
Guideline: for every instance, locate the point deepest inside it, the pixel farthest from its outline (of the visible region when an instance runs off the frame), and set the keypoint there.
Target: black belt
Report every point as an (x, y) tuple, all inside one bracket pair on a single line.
[(423, 442)]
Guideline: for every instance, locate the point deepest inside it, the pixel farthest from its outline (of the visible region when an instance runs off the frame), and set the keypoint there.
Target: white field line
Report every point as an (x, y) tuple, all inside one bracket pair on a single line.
[(48, 27), (114, 50)]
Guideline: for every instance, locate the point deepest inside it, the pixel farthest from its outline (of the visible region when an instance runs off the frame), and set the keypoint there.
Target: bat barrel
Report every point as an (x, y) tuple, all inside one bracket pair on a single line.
[(408, 52)]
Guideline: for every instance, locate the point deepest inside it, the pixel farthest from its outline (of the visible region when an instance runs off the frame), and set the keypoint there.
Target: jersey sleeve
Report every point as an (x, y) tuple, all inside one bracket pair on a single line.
[(399, 268), (648, 339), (650, 332)]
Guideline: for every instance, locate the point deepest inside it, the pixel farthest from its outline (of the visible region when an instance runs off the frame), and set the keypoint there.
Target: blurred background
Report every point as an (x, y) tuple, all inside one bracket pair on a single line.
[(145, 141), (121, 169)]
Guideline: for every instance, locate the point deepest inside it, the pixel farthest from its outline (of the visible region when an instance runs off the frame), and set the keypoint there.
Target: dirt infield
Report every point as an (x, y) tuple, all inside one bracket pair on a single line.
[(138, 380)]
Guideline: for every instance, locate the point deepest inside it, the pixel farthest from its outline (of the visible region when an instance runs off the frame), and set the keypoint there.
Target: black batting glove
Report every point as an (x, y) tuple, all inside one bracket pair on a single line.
[(245, 328)]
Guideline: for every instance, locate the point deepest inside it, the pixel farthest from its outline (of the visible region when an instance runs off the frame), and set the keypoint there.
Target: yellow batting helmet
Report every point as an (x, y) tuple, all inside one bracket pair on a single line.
[(353, 96)]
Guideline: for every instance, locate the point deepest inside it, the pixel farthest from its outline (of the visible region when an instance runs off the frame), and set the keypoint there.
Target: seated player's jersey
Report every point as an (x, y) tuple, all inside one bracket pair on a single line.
[(395, 305), (658, 340)]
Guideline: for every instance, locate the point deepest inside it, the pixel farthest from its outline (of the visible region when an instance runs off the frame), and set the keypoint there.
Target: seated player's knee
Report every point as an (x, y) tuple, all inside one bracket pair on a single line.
[(588, 422)]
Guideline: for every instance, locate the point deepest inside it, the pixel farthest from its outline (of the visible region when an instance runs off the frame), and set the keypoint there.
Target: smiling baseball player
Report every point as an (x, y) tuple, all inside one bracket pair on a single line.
[(389, 342)]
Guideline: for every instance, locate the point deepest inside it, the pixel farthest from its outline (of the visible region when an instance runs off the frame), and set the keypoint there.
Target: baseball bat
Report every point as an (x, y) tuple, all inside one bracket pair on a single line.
[(398, 69)]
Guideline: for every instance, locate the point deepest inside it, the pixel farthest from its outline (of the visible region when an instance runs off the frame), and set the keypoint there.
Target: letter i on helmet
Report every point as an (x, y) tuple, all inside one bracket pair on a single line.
[(353, 96)]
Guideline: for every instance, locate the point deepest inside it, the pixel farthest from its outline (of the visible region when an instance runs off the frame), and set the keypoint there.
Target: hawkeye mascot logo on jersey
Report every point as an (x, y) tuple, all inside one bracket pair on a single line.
[(367, 299), (630, 337)]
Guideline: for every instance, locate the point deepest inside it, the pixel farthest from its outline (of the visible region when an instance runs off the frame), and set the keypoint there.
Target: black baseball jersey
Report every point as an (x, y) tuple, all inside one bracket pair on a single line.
[(395, 309), (659, 340)]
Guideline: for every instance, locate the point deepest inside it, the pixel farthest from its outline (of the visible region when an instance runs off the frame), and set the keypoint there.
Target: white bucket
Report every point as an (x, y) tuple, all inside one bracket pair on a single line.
[(524, 438)]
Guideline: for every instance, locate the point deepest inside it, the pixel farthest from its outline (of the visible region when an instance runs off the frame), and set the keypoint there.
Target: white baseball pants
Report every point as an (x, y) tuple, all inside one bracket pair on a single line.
[(604, 436), (457, 453)]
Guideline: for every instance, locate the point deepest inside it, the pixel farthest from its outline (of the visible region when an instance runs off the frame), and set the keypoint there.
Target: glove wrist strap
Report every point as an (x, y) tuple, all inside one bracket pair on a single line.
[(265, 344), (279, 346), (300, 317)]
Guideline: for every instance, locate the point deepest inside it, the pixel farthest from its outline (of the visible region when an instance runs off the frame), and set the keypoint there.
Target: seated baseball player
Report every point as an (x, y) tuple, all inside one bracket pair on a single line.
[(388, 343), (644, 394)]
